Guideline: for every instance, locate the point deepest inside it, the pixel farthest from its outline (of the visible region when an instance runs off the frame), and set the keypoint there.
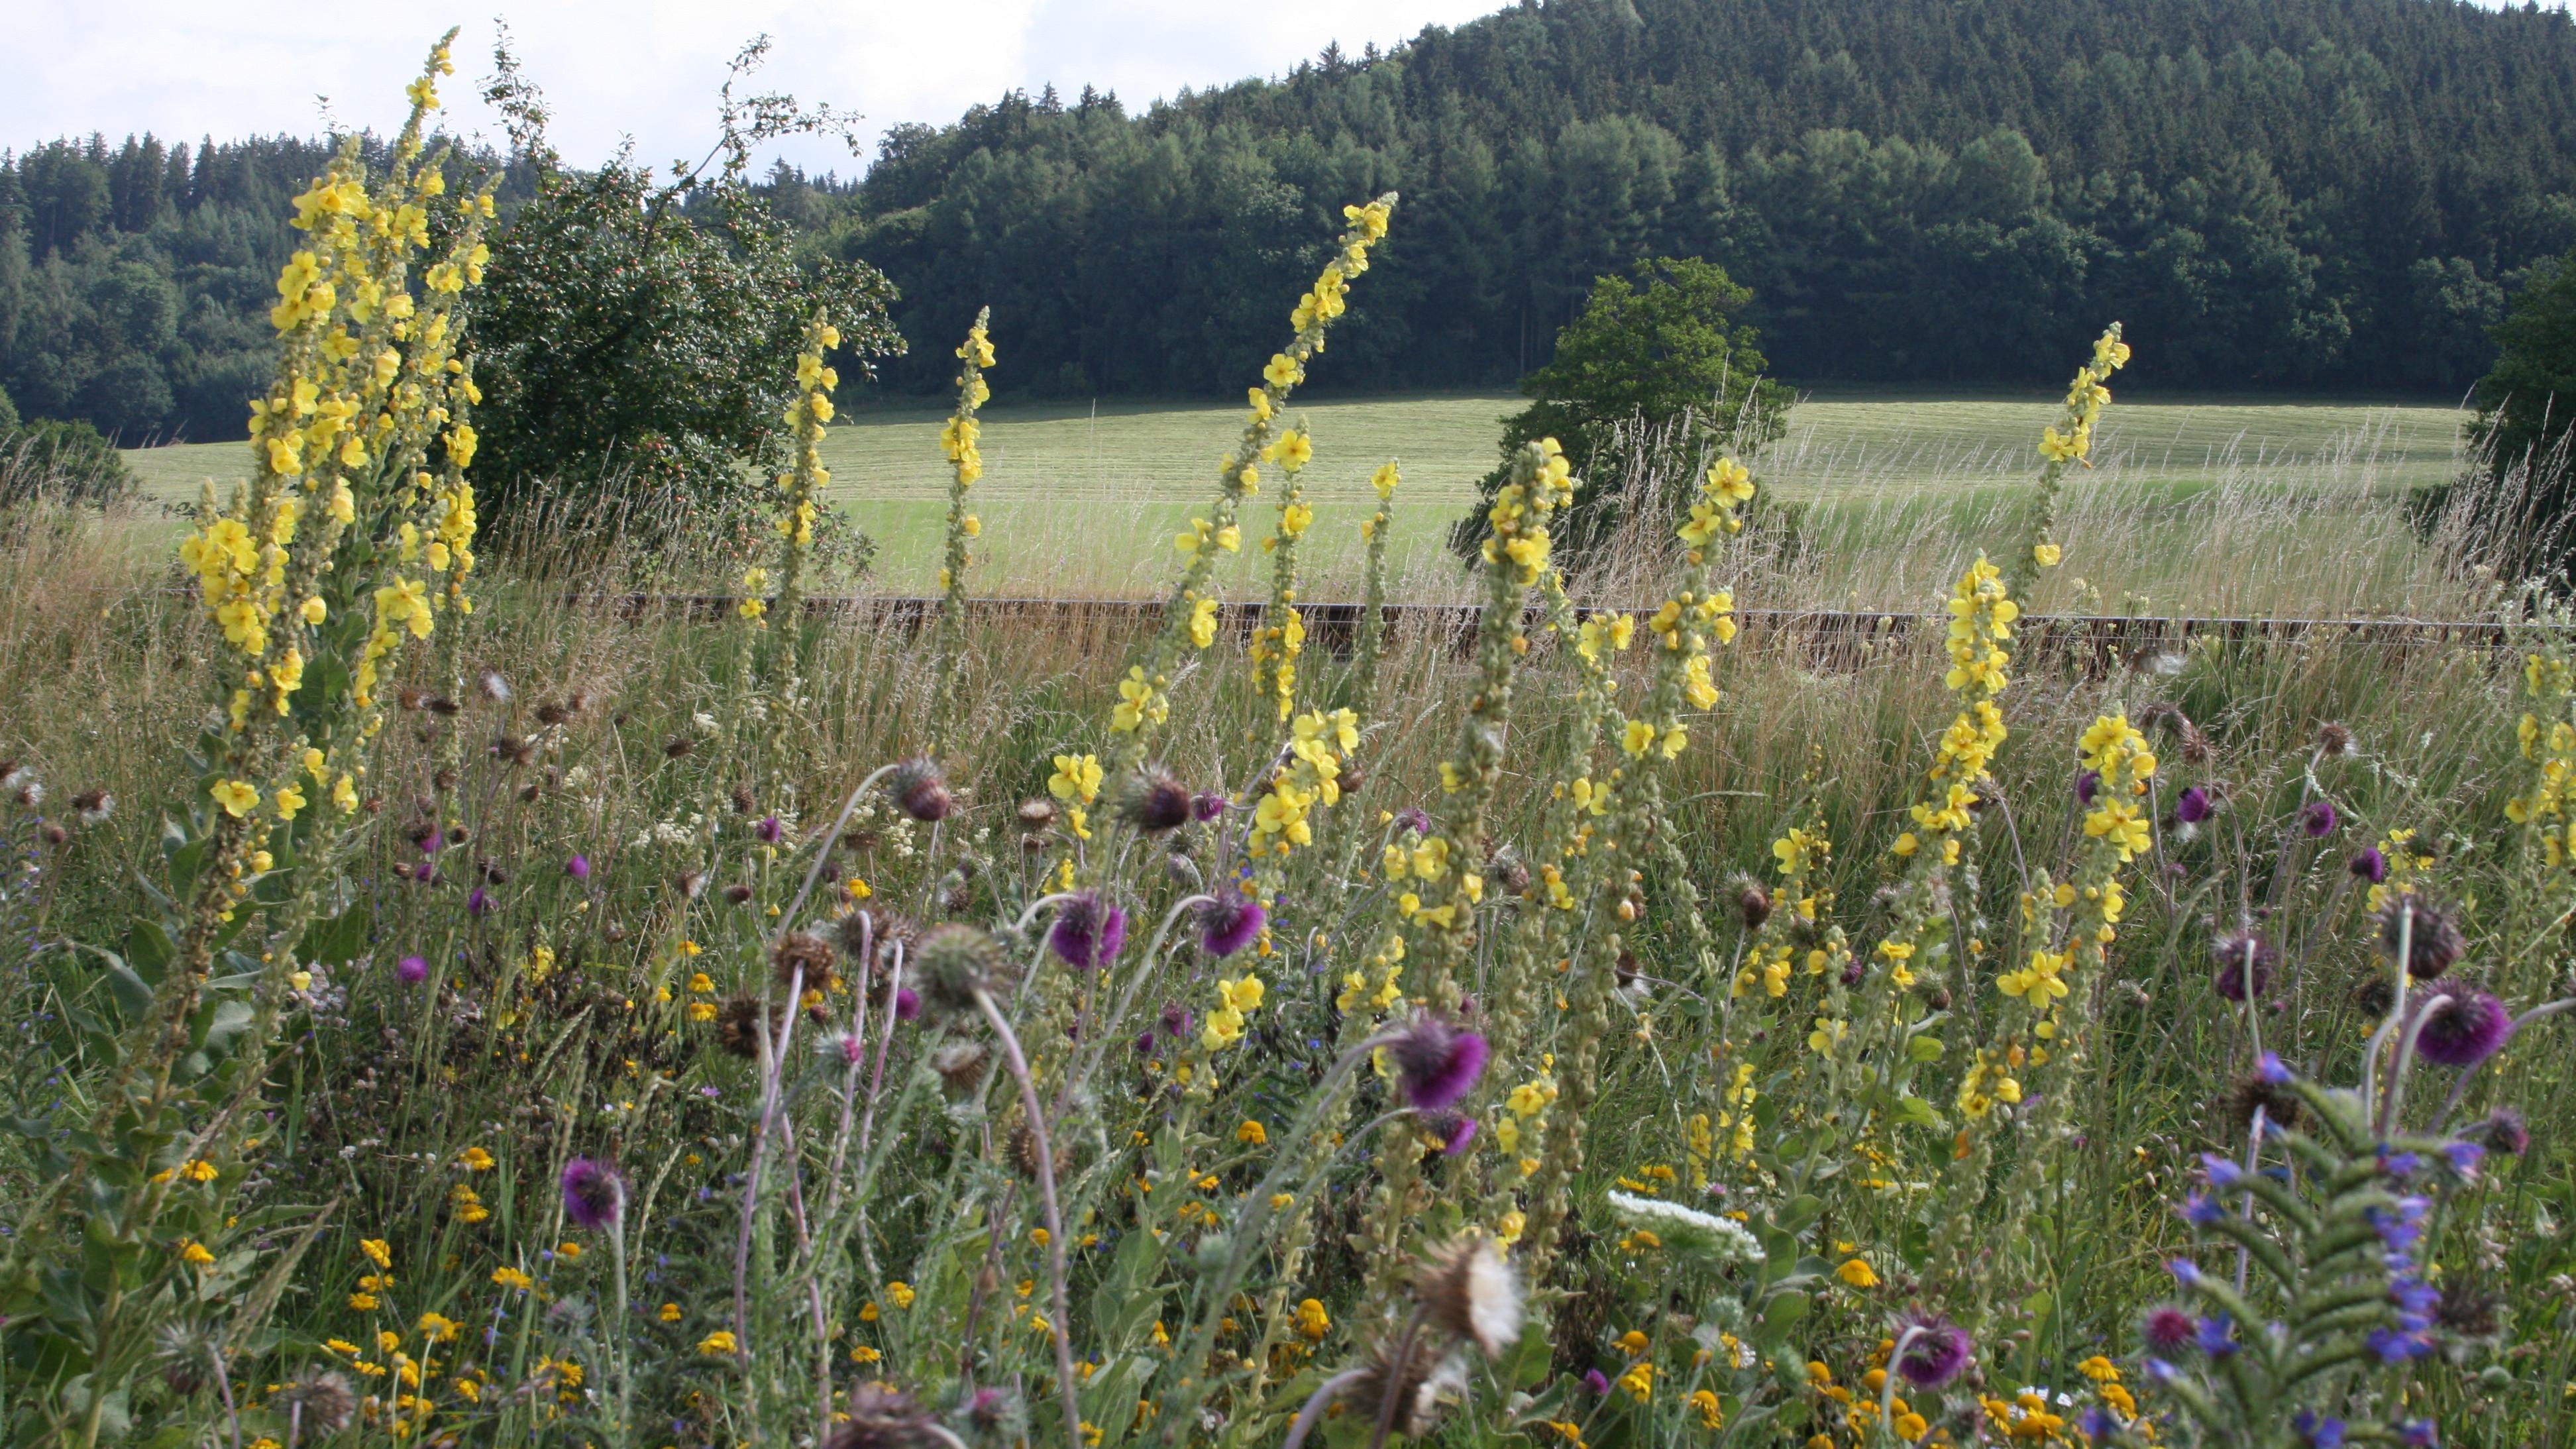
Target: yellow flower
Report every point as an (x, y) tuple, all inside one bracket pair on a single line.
[(1638, 737), (718, 1344), (475, 1159), (238, 797), (1312, 1321), (901, 1293), (1203, 623), (1292, 450), (670, 1313), (513, 1278), (2046, 555), (1076, 778), (1252, 1133), (289, 800), (378, 1252), (1857, 1273), (1711, 1415), (195, 1252)]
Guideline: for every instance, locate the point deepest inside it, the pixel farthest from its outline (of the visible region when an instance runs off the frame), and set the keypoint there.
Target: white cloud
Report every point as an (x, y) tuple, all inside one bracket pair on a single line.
[(646, 69)]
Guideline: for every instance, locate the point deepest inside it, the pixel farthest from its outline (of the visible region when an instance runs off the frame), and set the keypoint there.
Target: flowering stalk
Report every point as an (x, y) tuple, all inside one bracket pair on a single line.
[(965, 464), (1143, 702), (1370, 650), (2070, 441), (1282, 635)]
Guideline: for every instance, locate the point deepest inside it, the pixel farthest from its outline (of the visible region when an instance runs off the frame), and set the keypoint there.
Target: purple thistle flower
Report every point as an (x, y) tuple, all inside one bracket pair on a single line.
[(2168, 1329), (1435, 1062), (1087, 931), (1207, 804), (592, 1194), (2368, 864), (2192, 806), (907, 1005), (412, 970), (2505, 1132), (1177, 1020), (1229, 921), (1414, 819), (478, 903), (2245, 962), (1597, 1381), (2087, 785), (768, 830), (1935, 1350), (2465, 1030), (1454, 1129), (578, 867), (2318, 820)]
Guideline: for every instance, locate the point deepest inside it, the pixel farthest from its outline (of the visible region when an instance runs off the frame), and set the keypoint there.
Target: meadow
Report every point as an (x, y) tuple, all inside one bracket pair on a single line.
[(452, 1015), (1082, 498)]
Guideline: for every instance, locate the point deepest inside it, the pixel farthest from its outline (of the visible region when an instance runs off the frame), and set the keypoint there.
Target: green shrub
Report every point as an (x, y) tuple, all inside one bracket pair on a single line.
[(65, 462)]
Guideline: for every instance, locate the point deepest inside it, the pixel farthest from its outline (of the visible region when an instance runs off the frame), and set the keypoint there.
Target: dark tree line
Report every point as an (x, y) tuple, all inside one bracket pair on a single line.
[(2313, 193), (2336, 193)]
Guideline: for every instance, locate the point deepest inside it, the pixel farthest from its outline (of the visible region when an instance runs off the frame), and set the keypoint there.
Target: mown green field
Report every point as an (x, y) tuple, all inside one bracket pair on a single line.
[(1070, 491)]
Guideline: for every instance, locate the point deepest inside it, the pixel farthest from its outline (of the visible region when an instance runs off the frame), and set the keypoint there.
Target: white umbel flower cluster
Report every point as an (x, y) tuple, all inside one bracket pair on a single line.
[(1688, 1229)]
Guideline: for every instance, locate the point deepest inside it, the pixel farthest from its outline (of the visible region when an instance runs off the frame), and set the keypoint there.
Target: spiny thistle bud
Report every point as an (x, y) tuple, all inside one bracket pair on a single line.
[(1752, 905), (1505, 868), (1154, 801), (1037, 814), (2280, 1105), (2504, 1132), (1470, 1291), (2333, 740), (1435, 1062), (318, 1404), (1419, 1391), (883, 1418), (960, 1065), (679, 747), (738, 893), (2318, 820), (958, 964), (2168, 1329), (2433, 943), (801, 953), (2195, 748), (1024, 1154), (442, 706), (920, 791), (739, 1027)]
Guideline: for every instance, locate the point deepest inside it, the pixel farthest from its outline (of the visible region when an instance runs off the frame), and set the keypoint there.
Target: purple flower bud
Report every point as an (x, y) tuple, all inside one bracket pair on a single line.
[(2271, 1070), (578, 867), (478, 903), (2318, 820), (412, 970), (768, 830), (2087, 785), (592, 1195), (907, 1005), (2192, 807), (2369, 865), (1435, 1063), (1413, 819), (2168, 1329), (1935, 1350), (2216, 1336), (2184, 1271), (1207, 804), (1597, 1381), (2464, 1030)]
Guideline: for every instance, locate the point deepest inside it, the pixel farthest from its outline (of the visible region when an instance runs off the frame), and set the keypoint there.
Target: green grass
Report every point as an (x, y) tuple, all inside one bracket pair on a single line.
[(1077, 499)]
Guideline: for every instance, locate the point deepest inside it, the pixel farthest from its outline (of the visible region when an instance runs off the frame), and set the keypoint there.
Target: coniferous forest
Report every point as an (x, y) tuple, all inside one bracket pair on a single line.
[(2311, 194)]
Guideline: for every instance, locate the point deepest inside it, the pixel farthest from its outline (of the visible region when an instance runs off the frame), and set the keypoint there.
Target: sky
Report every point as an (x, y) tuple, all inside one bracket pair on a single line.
[(645, 69)]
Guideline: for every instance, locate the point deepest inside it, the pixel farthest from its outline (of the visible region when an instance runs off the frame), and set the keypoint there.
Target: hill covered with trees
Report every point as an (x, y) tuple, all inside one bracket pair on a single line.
[(2325, 193), (2330, 194)]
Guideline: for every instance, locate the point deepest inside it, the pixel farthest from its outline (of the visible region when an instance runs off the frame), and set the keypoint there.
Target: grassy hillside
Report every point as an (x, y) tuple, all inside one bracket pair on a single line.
[(1076, 498)]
